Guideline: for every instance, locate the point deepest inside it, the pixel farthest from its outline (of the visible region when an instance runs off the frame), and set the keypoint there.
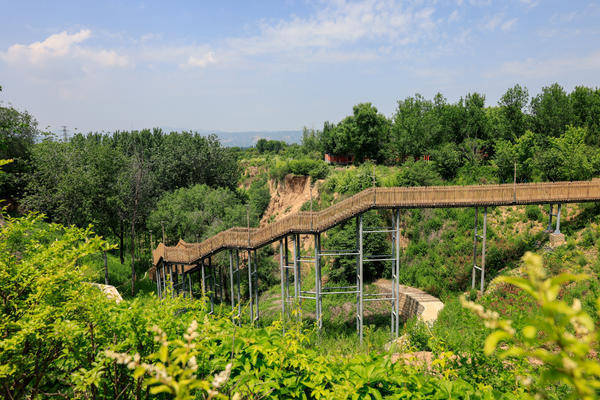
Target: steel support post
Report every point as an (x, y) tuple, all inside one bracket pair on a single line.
[(213, 285), (474, 251), (360, 278), (158, 283), (164, 278), (483, 248), (483, 238), (286, 261), (172, 281), (395, 281), (297, 269), (239, 296), (231, 286), (319, 315), (256, 286), (203, 287), (281, 268), (250, 291), (557, 230)]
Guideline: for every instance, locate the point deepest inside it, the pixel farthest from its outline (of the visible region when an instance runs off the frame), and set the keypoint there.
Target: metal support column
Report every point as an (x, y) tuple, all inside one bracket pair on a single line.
[(250, 291), (483, 238), (360, 278), (213, 285), (297, 269), (164, 279), (286, 260), (255, 274), (172, 281), (158, 283), (318, 297), (281, 268), (231, 280), (239, 296), (203, 284), (557, 230), (395, 276), (474, 251)]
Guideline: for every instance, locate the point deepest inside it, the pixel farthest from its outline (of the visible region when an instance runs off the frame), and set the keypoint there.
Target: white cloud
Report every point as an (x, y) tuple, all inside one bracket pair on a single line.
[(498, 21), (338, 25), (63, 46), (493, 22), (453, 16), (508, 25), (530, 3), (57, 45), (549, 68), (200, 61)]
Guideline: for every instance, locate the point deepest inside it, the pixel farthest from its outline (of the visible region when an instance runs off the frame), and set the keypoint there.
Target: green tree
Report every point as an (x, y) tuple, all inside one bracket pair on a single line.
[(551, 111), (585, 103), (415, 130), (512, 104), (361, 134), (197, 212), (18, 132), (42, 290), (567, 157)]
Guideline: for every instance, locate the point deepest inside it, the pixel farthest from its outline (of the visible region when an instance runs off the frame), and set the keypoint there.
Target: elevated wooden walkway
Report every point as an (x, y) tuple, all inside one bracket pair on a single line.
[(397, 197)]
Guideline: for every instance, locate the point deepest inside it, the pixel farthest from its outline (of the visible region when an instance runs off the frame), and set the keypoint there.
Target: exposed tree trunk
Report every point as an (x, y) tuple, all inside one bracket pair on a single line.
[(105, 268)]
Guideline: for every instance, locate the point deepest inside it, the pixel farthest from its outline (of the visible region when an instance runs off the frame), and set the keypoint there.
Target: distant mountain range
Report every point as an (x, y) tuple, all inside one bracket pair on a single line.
[(248, 138), (229, 139)]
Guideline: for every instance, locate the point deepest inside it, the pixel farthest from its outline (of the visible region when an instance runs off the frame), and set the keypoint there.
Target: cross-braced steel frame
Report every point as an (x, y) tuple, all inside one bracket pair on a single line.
[(175, 279), (318, 291)]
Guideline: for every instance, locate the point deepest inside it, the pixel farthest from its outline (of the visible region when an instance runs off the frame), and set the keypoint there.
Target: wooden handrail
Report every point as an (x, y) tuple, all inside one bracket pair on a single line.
[(395, 197)]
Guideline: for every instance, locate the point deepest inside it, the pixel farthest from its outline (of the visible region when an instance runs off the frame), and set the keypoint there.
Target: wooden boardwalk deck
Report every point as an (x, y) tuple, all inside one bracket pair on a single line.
[(397, 197)]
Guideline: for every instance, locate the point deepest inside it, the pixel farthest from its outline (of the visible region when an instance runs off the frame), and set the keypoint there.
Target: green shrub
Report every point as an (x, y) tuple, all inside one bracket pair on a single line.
[(534, 213), (563, 339), (316, 169)]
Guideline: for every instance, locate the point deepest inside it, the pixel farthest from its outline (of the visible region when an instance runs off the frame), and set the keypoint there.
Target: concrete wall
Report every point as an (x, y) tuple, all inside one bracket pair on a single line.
[(416, 302)]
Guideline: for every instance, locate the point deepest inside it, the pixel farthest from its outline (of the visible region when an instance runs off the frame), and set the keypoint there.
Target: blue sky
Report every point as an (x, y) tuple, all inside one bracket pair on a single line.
[(278, 65)]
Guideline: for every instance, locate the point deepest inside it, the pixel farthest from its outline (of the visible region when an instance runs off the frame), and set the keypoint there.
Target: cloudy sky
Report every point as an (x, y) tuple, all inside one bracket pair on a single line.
[(276, 65)]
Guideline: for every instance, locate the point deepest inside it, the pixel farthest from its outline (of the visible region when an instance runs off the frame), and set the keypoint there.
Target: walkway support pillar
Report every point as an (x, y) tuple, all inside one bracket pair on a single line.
[(297, 270), (255, 273), (557, 230), (360, 280), (239, 296), (395, 276), (318, 297), (172, 281), (158, 281), (281, 268), (203, 272), (250, 291), (213, 285), (483, 239), (231, 285)]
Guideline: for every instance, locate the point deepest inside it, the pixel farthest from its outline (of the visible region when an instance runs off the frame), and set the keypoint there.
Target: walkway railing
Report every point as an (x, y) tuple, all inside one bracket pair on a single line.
[(397, 197)]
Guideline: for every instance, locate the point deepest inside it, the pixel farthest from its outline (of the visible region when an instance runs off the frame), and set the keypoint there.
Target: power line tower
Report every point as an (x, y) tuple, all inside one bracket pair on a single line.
[(64, 131)]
